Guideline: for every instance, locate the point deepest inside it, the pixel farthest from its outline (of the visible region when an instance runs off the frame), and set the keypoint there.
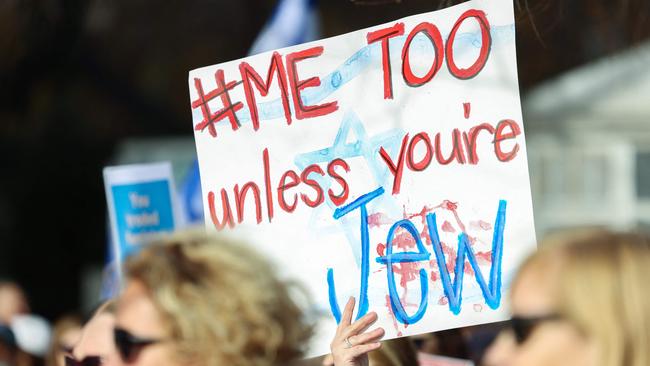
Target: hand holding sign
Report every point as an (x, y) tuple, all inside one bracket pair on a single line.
[(353, 341)]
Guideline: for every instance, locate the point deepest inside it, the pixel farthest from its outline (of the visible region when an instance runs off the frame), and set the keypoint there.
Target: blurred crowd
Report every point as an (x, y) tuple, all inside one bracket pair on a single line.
[(191, 299)]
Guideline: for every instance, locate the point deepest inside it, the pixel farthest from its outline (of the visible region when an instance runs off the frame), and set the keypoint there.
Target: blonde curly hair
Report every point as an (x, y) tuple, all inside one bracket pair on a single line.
[(222, 303)]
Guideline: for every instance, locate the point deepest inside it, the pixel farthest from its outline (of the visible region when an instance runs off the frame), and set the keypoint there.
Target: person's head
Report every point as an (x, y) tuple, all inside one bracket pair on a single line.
[(95, 345), (582, 299), (198, 300), (12, 302), (33, 334), (65, 334)]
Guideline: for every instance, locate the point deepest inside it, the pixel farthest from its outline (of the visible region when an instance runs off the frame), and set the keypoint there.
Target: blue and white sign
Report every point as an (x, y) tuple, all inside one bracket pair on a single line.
[(141, 205)]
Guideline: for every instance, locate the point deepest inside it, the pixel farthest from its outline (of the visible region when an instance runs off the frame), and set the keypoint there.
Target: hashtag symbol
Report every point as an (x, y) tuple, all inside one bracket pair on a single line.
[(228, 111)]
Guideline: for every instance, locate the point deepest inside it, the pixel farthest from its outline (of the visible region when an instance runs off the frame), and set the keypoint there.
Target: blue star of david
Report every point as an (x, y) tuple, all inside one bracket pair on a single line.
[(364, 147)]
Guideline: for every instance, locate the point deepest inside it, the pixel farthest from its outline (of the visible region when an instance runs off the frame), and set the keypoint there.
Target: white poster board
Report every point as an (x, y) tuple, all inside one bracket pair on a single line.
[(387, 164)]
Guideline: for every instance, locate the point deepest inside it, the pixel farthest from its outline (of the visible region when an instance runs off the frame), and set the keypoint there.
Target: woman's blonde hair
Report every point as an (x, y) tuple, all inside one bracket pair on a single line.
[(222, 303), (601, 283)]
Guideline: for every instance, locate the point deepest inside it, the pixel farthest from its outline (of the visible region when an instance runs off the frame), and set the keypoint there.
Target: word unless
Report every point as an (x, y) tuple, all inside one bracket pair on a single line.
[(491, 289), (288, 181)]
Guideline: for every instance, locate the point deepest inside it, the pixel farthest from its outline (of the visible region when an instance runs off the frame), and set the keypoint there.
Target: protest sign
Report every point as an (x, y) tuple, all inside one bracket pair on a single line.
[(141, 205), (387, 164)]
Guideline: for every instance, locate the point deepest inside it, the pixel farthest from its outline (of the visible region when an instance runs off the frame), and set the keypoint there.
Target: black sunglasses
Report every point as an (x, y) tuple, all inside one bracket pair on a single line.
[(87, 361), (129, 346), (523, 327)]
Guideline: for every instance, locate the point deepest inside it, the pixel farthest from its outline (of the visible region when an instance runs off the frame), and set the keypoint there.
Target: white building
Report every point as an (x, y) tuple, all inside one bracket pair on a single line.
[(588, 135)]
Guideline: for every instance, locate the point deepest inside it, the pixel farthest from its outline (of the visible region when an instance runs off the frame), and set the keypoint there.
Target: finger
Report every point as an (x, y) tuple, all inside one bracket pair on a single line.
[(346, 317), (360, 325), (369, 337), (363, 349)]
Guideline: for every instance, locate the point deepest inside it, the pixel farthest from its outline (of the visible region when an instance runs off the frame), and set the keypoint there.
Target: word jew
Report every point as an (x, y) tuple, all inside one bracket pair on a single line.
[(453, 291)]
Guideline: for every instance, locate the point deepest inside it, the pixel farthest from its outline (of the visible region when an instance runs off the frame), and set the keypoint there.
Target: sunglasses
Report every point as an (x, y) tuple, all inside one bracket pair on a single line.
[(128, 345), (87, 361), (523, 327)]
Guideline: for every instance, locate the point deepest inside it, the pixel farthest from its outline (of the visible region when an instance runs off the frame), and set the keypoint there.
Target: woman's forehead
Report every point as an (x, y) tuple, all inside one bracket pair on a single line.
[(535, 291), (137, 312)]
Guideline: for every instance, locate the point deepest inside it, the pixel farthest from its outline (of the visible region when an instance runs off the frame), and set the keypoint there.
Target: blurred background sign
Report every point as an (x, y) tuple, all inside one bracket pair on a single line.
[(141, 202)]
